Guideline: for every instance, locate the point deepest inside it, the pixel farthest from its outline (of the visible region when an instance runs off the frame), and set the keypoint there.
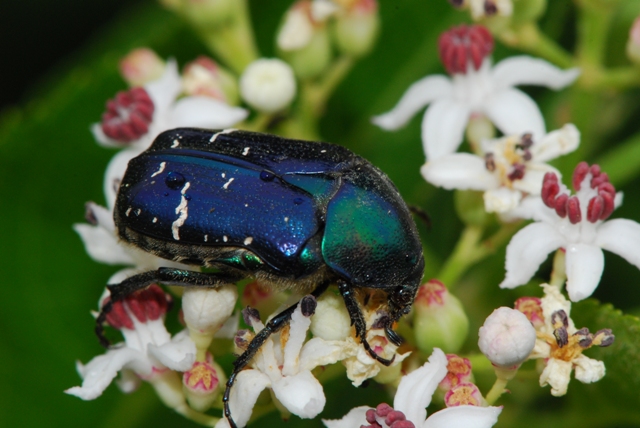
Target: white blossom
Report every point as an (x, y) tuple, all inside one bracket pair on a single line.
[(414, 395), (170, 112), (476, 88), (576, 224), (508, 168), (560, 345)]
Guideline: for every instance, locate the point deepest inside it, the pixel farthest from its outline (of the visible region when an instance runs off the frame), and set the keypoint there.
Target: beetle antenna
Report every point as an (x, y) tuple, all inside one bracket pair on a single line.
[(421, 214)]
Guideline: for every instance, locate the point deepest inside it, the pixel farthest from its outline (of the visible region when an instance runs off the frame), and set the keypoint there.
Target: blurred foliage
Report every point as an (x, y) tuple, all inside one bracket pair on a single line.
[(50, 165)]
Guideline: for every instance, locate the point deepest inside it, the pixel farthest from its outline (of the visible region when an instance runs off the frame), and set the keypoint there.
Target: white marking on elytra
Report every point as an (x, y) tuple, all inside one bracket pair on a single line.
[(138, 211), (323, 151), (128, 212), (248, 240), (225, 131), (245, 151), (246, 205), (183, 212), (224, 238), (206, 238), (155, 220), (224, 174), (286, 219), (226, 185), (162, 165), (175, 144)]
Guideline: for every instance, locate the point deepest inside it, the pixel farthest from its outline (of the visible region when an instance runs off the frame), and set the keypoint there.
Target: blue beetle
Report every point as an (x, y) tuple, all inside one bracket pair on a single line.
[(293, 214)]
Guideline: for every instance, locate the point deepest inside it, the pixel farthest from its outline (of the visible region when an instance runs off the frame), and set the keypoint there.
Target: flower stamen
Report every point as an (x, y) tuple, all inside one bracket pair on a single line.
[(128, 115), (464, 45)]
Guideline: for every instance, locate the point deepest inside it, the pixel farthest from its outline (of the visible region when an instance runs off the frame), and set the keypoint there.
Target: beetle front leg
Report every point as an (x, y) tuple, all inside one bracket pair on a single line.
[(273, 326), (358, 320), (169, 276)]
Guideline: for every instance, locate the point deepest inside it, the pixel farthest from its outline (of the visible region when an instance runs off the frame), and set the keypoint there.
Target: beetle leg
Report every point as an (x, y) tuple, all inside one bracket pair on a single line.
[(273, 326), (356, 318), (170, 276)]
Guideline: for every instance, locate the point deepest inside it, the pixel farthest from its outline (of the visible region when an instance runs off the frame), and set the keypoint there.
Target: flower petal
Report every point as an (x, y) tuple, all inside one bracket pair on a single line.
[(464, 417), (244, 394), (164, 90), (443, 128), (501, 200), (515, 113), (557, 373), (527, 250), (621, 236), (102, 245), (421, 93), (101, 370), (526, 70), (416, 389), (319, 352), (297, 335), (588, 370), (179, 354), (356, 417), (301, 394), (459, 171), (115, 171), (205, 112), (532, 181), (584, 264), (556, 143)]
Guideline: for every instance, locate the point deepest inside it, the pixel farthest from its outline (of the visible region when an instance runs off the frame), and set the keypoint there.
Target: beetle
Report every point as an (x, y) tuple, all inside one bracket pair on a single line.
[(294, 214)]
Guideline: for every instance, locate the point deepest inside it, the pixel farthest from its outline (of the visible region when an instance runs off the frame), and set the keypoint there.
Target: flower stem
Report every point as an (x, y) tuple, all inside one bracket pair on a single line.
[(498, 388), (469, 250), (466, 252), (233, 42), (314, 95), (529, 38), (559, 273)]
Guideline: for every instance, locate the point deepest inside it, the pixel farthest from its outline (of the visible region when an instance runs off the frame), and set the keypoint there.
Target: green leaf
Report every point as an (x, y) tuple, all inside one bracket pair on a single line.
[(621, 359)]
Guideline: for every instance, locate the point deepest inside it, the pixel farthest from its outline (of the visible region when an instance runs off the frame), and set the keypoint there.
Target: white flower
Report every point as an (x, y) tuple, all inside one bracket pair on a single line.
[(577, 225), (414, 396), (507, 337), (331, 326), (475, 88), (510, 168), (148, 350), (268, 85), (286, 371), (134, 118), (560, 345)]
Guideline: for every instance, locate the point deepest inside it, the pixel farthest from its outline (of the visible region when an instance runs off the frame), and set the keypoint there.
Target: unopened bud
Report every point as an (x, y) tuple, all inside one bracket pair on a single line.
[(439, 319), (331, 320), (356, 30), (303, 39), (633, 43), (268, 85), (205, 77), (507, 337), (206, 310), (141, 66)]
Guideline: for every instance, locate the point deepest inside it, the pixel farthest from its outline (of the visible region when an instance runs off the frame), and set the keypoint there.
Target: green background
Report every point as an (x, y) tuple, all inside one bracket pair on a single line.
[(50, 166)]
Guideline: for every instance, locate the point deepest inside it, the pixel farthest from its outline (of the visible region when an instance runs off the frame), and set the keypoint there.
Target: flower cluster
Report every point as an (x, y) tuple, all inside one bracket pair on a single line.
[(286, 350)]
